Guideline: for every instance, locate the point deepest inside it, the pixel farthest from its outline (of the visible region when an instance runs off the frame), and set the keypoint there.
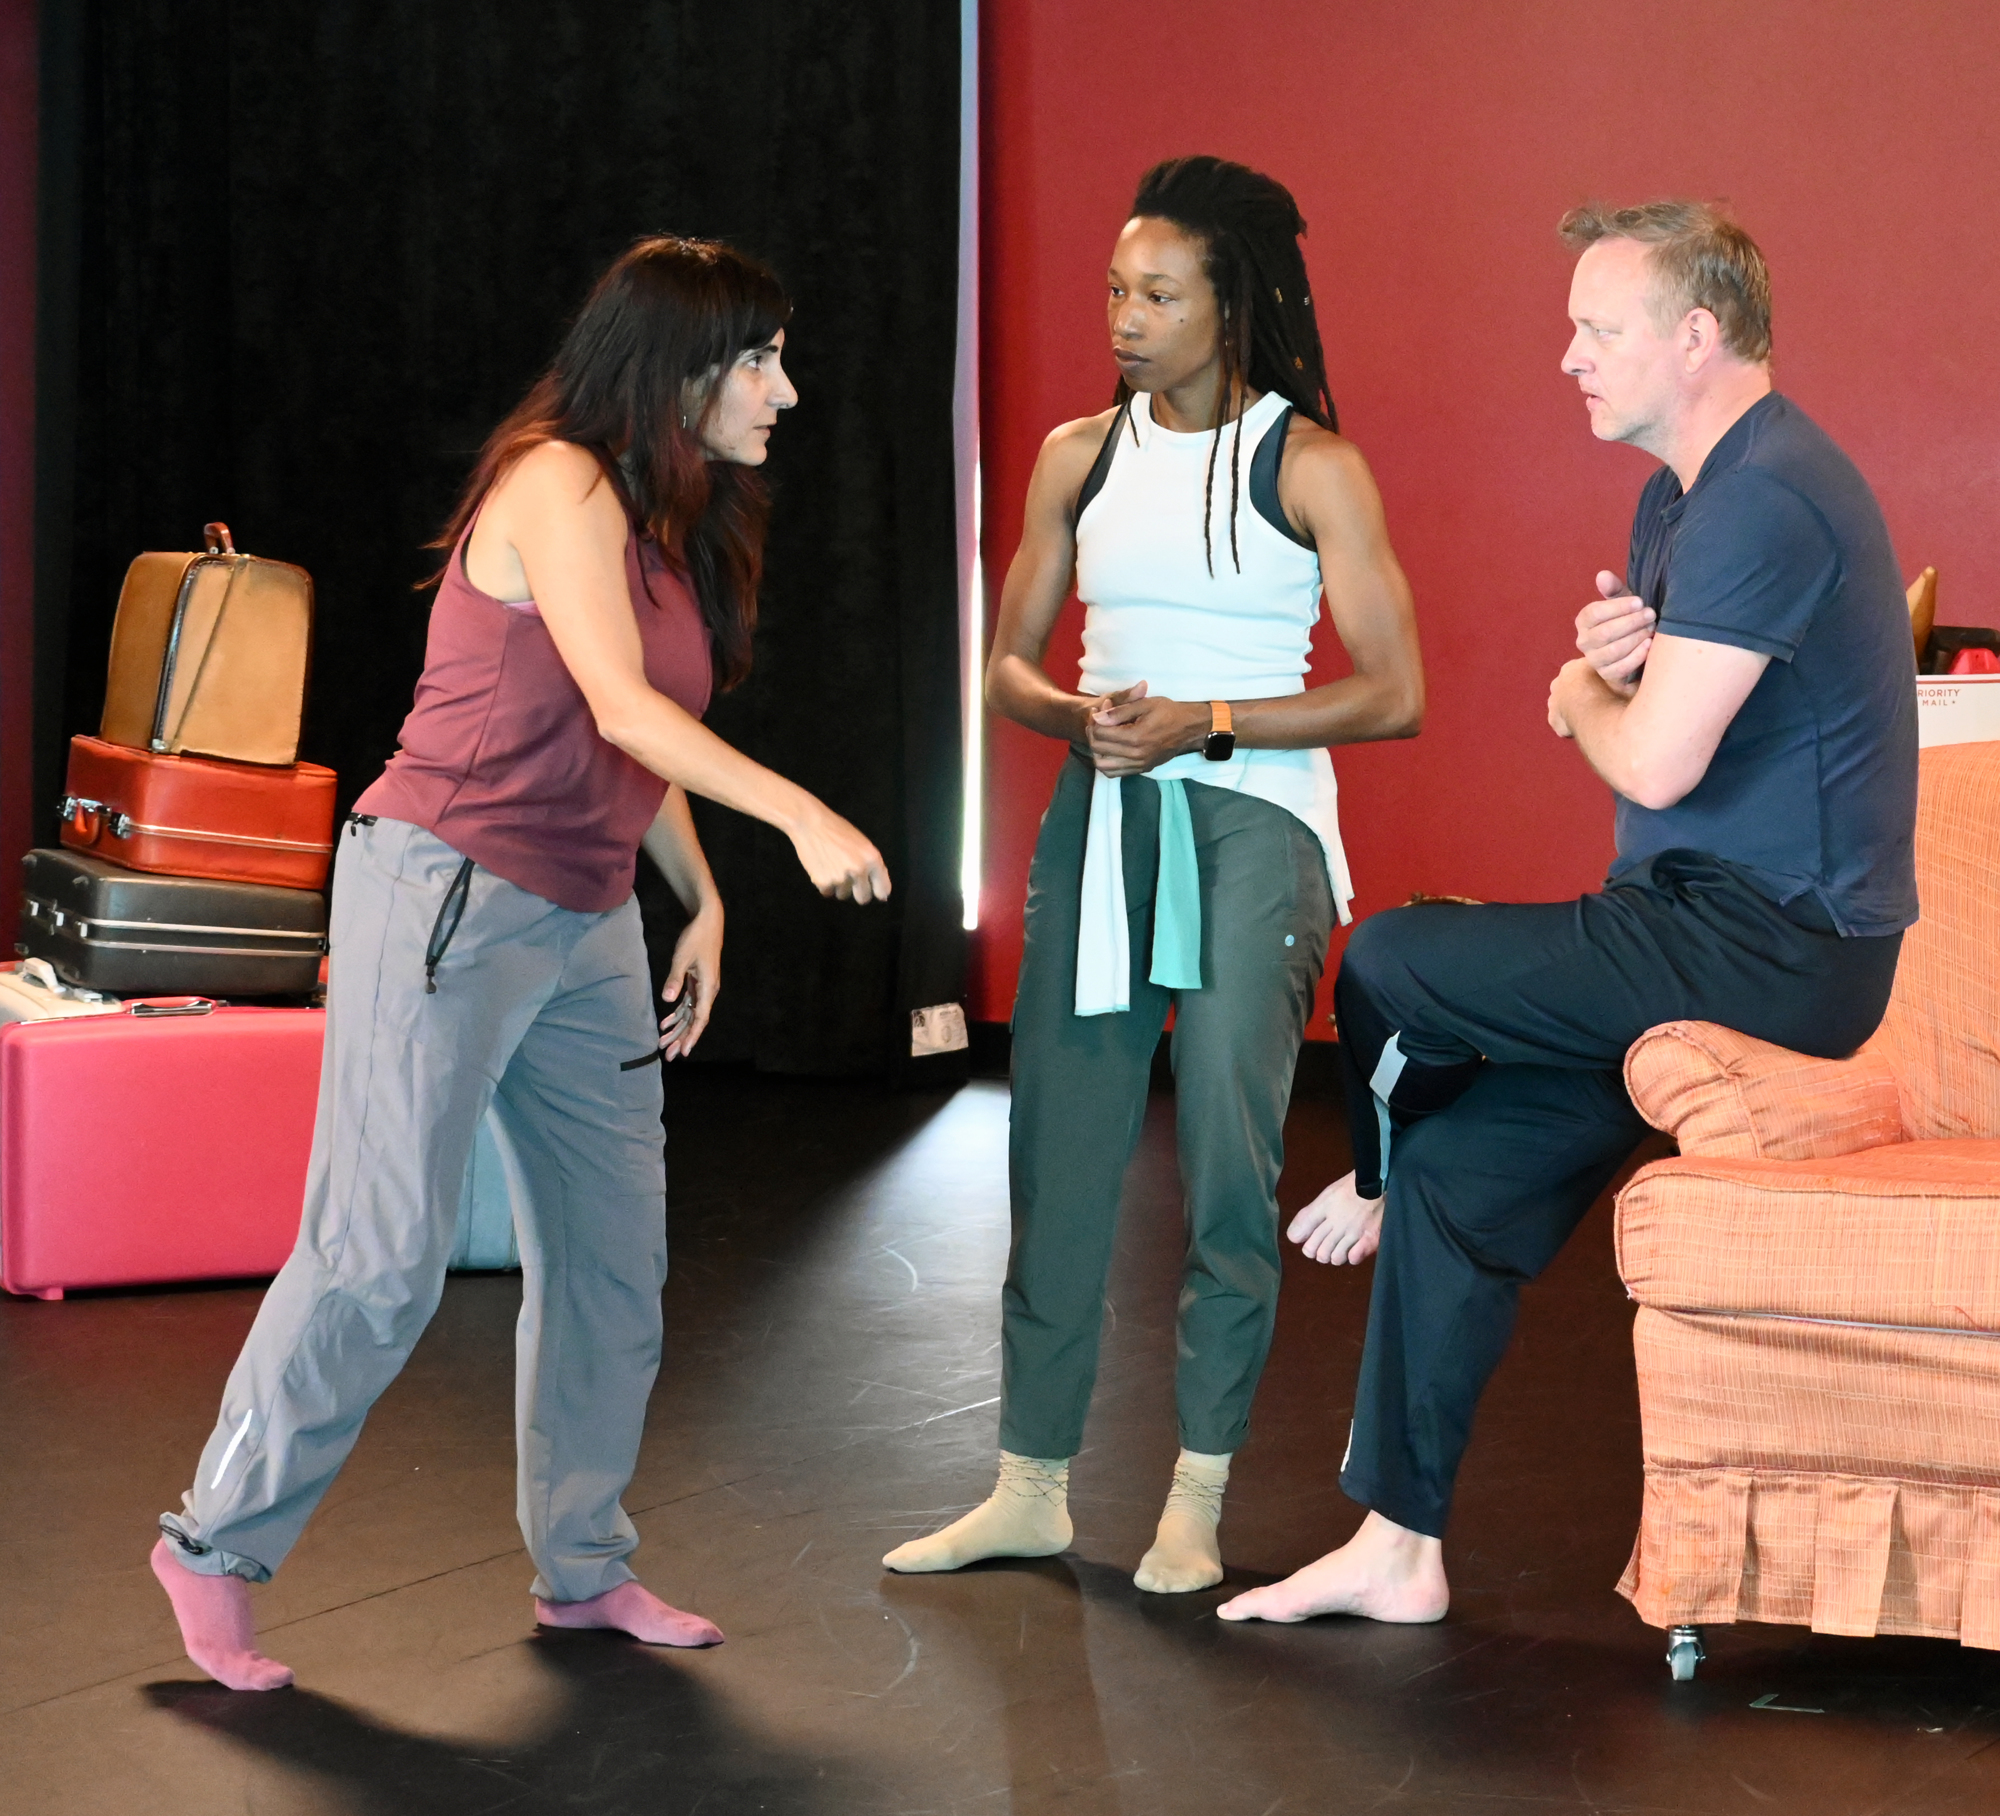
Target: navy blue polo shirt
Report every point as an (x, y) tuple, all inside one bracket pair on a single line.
[(1780, 548)]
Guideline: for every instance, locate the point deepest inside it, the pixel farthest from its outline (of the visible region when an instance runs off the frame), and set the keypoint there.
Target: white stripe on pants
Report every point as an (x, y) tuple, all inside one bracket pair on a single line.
[(536, 1008)]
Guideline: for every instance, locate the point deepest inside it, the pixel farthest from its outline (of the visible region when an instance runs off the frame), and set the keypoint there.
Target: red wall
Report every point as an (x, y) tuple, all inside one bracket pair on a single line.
[(17, 448), (1432, 145)]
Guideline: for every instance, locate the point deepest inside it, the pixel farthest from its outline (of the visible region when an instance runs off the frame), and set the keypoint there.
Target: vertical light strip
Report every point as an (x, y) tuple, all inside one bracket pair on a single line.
[(965, 428), (971, 865)]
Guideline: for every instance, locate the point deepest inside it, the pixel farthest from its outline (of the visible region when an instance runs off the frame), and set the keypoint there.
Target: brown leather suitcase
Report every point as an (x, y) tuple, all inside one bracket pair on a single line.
[(209, 655), (194, 816)]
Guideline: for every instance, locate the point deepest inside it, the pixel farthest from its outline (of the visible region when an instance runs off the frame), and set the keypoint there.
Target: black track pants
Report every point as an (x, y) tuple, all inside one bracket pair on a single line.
[(1483, 1049)]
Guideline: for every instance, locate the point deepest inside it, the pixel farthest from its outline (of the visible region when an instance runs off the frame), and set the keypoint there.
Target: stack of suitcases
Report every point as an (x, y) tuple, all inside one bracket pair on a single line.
[(151, 1129)]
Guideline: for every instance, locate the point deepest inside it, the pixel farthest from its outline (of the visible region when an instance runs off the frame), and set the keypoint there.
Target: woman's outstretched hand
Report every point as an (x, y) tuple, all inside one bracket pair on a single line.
[(692, 981), (840, 861)]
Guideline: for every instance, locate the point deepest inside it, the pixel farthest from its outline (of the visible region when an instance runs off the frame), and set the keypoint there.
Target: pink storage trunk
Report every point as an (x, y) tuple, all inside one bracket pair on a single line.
[(139, 1148)]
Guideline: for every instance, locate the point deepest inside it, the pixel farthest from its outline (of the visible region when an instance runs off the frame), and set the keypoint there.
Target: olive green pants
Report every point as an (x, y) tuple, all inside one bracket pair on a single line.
[(1080, 1087)]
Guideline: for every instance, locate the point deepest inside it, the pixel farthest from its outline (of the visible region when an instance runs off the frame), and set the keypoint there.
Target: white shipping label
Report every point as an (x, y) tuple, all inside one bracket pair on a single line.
[(1957, 709)]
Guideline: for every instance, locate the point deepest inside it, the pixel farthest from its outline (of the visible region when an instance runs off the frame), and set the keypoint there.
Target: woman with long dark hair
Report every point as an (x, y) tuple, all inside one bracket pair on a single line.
[(1191, 857), (601, 575)]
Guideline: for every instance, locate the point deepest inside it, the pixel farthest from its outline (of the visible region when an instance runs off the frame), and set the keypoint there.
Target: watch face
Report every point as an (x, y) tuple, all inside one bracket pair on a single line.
[(1219, 746)]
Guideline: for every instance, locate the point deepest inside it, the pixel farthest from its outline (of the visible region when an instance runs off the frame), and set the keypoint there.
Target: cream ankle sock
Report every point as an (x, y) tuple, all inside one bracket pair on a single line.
[(1185, 1554), (1027, 1515)]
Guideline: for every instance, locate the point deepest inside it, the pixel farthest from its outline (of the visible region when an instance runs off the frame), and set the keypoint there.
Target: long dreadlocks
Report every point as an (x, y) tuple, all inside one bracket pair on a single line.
[(1249, 228)]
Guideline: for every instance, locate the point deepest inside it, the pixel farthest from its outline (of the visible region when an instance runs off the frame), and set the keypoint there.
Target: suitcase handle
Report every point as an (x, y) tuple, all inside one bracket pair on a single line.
[(171, 1005), (90, 818), (221, 546)]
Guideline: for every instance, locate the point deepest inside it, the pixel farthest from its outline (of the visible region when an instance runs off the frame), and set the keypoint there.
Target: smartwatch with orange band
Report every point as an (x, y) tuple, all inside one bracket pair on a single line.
[(1220, 744)]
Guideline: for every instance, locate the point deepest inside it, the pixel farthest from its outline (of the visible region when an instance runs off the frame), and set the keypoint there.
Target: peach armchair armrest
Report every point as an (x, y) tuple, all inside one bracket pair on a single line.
[(1723, 1095)]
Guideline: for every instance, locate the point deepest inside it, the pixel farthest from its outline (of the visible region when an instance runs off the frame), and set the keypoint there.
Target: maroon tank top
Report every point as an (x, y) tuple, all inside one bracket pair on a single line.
[(500, 757)]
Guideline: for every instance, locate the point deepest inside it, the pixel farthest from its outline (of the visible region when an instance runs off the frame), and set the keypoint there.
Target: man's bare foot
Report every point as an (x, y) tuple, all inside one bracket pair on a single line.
[(1384, 1572), (632, 1608), (215, 1623), (1339, 1225)]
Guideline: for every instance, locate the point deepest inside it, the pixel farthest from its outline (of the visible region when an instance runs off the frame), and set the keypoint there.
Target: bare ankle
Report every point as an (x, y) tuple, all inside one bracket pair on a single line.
[(1381, 1535)]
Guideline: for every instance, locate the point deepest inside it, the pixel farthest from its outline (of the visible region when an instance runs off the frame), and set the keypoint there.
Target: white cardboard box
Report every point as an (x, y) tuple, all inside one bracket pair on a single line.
[(1957, 709)]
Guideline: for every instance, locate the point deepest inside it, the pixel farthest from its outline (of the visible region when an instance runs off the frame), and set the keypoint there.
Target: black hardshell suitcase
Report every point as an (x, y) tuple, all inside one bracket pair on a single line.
[(126, 933)]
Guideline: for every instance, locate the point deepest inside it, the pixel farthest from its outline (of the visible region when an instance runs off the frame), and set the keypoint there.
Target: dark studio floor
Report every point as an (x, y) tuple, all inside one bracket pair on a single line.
[(830, 1390)]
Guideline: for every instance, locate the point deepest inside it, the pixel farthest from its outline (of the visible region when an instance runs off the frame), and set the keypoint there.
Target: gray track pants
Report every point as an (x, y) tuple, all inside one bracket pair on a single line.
[(536, 1008)]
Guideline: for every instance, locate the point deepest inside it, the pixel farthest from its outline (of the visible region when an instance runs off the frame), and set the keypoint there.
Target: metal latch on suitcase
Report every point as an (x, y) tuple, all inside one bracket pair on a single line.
[(79, 813)]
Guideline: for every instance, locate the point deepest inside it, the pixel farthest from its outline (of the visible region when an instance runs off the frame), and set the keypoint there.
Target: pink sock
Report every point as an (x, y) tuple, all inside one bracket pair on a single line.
[(632, 1608), (216, 1629)]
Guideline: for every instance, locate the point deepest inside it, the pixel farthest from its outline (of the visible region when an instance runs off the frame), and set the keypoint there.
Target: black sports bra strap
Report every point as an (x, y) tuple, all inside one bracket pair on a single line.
[(1264, 479), (1100, 468)]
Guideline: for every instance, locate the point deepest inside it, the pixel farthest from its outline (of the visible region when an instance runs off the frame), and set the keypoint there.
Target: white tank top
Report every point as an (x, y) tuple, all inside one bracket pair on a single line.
[(1155, 613)]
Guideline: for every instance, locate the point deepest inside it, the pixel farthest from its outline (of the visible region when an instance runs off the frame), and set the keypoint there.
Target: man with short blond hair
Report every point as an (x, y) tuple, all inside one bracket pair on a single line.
[(1747, 692), (1697, 258)]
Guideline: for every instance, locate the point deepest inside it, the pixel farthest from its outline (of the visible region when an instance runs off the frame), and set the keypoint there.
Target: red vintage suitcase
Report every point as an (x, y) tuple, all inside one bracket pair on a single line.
[(198, 816), (153, 1146)]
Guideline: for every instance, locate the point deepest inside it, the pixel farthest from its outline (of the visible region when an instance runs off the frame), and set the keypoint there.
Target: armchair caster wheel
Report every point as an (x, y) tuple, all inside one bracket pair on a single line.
[(1684, 1652)]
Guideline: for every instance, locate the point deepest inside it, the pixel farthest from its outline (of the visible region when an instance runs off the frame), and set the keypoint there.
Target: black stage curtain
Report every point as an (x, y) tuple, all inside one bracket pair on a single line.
[(299, 259)]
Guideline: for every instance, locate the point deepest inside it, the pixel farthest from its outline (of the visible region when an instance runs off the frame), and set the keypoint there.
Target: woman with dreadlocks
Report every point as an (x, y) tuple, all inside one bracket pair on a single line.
[(1191, 857)]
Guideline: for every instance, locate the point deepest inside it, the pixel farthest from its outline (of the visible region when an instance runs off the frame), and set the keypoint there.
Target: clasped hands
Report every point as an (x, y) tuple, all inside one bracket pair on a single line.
[(1131, 731), (1614, 633)]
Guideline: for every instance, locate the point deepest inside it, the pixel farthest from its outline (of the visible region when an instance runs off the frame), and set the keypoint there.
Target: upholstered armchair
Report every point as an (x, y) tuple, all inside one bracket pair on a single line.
[(1818, 1280)]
